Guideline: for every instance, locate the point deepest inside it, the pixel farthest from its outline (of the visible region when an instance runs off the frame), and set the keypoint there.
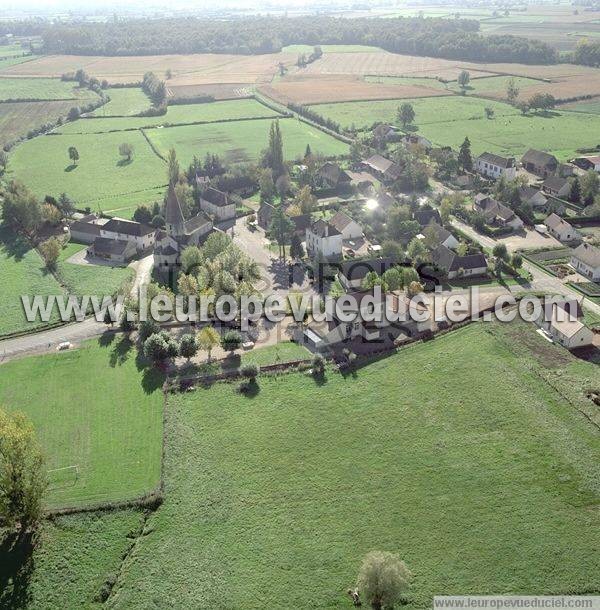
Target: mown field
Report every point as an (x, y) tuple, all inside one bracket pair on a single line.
[(180, 114), (42, 89), (483, 483), (44, 165), (95, 409), (244, 140), (124, 102), (23, 273)]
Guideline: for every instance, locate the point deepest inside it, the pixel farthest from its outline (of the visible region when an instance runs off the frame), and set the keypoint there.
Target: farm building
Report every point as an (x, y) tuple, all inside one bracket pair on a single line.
[(494, 166), (117, 251), (556, 186), (86, 230), (585, 259), (560, 229), (413, 141), (437, 234), (470, 265), (142, 236), (588, 162), (216, 204), (384, 132), (539, 163), (532, 196), (383, 168)]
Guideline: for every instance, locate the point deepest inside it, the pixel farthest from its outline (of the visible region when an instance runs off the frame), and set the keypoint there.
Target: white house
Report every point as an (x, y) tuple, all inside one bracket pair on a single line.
[(560, 228), (349, 228), (565, 329), (494, 166), (216, 204), (324, 240), (142, 236), (585, 259), (470, 265)]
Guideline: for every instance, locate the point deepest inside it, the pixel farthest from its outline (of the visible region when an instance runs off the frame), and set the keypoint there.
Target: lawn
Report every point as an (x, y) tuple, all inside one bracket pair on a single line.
[(456, 453), (244, 140), (43, 164), (23, 273), (124, 102), (98, 416), (125, 205), (178, 114), (42, 89), (90, 279)]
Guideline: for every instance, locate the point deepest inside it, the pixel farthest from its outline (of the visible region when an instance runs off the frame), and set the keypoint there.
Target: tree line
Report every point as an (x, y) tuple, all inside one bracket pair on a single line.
[(434, 37)]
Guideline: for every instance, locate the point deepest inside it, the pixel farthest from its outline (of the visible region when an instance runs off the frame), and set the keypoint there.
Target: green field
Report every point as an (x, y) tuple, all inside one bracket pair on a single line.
[(41, 89), (125, 205), (483, 482), (178, 114), (11, 50), (98, 416), (493, 84), (432, 83), (23, 273), (243, 141), (43, 164), (588, 106), (124, 102), (90, 279), (447, 120)]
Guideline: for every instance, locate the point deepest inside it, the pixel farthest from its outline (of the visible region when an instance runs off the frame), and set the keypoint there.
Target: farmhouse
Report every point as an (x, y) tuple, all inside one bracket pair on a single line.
[(142, 236), (351, 273), (588, 162), (533, 197), (565, 329), (539, 163), (216, 204), (586, 260), (332, 176), (437, 234), (179, 234), (383, 168), (117, 251), (560, 229), (457, 266), (494, 166), (496, 213), (86, 230), (556, 186), (323, 240), (349, 228)]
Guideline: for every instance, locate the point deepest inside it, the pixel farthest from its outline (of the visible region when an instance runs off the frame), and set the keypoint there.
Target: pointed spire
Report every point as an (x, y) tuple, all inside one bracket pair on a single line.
[(173, 212)]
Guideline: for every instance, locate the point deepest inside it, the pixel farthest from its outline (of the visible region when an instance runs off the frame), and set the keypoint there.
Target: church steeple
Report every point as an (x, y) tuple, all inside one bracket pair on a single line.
[(173, 214)]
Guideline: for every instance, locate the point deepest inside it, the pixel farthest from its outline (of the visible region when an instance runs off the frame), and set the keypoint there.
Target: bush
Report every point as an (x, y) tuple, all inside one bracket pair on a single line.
[(250, 371), (147, 328), (231, 340)]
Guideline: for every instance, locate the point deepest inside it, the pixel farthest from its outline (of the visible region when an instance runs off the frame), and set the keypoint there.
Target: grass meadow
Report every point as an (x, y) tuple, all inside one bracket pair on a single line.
[(124, 101), (457, 453), (42, 89), (94, 408), (243, 141), (23, 273)]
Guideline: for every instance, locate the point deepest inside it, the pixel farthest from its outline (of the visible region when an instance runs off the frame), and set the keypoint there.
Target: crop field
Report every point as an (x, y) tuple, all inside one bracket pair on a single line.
[(41, 89), (501, 475), (187, 69), (179, 114), (98, 415), (100, 172), (23, 273), (244, 140), (16, 119), (124, 102), (219, 92), (90, 279), (494, 84), (332, 48)]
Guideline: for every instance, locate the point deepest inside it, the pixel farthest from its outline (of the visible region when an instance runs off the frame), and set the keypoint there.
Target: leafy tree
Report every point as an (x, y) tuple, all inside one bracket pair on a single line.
[(250, 371), (416, 249), (296, 247), (191, 259), (500, 252), (283, 185), (383, 579), (173, 166), (281, 228), (188, 346), (392, 249), (143, 215), (148, 328), (273, 157), (462, 249), (22, 473), (406, 114), (21, 209), (208, 338), (516, 261), (489, 112), (392, 279), (266, 186), (3, 161), (356, 152), (187, 285), (306, 201), (126, 150), (464, 78), (65, 205), (523, 107), (541, 101), (216, 244), (590, 185), (318, 365), (231, 340), (414, 288), (465, 160), (409, 275), (81, 77), (73, 154), (156, 347), (575, 191), (51, 214), (50, 251), (371, 280), (73, 114), (512, 91)]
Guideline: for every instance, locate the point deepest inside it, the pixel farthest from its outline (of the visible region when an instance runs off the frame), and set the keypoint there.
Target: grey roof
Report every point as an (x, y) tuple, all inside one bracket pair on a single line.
[(354, 270), (449, 260), (590, 255), (105, 245), (195, 223), (323, 229), (504, 162), (555, 183), (440, 232), (86, 227), (554, 222), (426, 215), (173, 212), (214, 196), (491, 208), (340, 221), (540, 158), (301, 222), (528, 192), (334, 173), (127, 227)]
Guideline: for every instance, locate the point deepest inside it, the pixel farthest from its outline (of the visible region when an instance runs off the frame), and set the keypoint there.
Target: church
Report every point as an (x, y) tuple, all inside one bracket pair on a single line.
[(178, 234)]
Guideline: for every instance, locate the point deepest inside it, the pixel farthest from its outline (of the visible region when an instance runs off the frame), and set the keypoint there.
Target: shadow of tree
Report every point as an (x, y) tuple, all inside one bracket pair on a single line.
[(120, 352), (124, 162), (71, 167), (16, 569), (106, 338), (13, 245), (152, 377)]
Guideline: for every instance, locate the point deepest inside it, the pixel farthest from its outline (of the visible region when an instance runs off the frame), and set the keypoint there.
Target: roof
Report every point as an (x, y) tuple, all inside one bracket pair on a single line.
[(440, 232), (195, 223), (86, 227), (492, 208), (449, 260), (128, 227), (214, 196), (497, 160), (590, 255), (555, 183), (334, 173), (528, 192), (340, 221), (567, 327), (540, 158), (361, 177), (354, 270), (426, 215), (383, 165), (555, 222), (320, 228), (384, 199), (301, 222), (105, 245), (173, 211)]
